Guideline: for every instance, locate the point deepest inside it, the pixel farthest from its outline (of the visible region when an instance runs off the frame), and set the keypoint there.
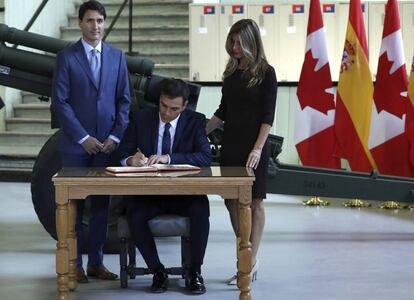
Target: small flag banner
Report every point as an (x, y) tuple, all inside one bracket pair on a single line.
[(328, 8), (237, 9), (298, 8), (268, 9), (209, 10)]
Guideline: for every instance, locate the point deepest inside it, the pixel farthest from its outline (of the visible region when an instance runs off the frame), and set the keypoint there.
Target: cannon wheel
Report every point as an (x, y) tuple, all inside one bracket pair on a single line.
[(47, 164)]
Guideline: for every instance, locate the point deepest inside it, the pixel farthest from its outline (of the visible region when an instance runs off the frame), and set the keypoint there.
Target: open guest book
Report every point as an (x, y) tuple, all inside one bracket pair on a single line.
[(153, 169)]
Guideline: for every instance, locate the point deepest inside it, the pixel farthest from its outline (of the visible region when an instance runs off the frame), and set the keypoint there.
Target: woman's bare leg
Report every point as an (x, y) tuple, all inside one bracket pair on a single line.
[(258, 221)]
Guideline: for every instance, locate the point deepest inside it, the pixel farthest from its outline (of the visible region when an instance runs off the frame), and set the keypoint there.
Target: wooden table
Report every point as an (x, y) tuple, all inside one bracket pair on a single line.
[(76, 184)]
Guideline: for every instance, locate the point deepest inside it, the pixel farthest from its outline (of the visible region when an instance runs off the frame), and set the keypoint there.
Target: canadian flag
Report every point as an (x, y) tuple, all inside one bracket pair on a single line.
[(314, 134), (388, 141)]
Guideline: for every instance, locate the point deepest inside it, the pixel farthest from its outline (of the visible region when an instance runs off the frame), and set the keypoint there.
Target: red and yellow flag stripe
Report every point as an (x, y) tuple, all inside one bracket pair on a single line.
[(354, 96)]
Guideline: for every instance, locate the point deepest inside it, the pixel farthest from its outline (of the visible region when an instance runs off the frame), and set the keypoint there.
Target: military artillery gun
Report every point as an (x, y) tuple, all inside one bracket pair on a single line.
[(33, 72)]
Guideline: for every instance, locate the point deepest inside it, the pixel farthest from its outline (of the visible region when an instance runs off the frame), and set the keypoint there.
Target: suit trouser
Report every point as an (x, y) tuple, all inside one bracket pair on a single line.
[(98, 212), (143, 209)]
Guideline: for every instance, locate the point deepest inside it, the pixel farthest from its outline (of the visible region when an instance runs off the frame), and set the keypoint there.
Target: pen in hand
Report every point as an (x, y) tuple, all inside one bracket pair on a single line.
[(143, 158)]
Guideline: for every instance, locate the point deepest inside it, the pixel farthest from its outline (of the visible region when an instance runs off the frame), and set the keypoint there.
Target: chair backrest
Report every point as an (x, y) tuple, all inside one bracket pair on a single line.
[(153, 92)]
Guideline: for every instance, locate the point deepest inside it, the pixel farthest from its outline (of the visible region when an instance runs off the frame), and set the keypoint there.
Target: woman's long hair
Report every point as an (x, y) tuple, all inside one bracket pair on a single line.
[(252, 48)]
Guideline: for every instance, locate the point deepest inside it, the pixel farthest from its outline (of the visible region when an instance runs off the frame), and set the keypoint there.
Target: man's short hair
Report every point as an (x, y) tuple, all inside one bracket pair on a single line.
[(173, 88), (91, 5)]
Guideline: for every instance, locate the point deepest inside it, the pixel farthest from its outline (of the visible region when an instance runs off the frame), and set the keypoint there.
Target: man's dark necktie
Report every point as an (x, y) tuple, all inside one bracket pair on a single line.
[(166, 140)]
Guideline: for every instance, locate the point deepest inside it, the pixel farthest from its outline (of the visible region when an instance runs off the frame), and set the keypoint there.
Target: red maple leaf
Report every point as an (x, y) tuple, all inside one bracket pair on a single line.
[(312, 85), (388, 88)]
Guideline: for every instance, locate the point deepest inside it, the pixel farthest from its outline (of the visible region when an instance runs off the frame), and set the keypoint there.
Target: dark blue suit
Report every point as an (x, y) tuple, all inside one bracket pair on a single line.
[(190, 146), (84, 108)]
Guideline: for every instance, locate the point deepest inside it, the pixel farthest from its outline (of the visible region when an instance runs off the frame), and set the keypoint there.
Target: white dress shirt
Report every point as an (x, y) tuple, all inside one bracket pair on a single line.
[(161, 127)]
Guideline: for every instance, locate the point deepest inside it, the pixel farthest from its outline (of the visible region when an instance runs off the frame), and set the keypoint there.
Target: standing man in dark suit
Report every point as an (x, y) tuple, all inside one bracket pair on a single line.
[(91, 100), (169, 135)]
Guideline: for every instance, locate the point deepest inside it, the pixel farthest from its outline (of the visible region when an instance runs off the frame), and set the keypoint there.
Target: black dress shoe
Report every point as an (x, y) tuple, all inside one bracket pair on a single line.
[(159, 282), (195, 284)]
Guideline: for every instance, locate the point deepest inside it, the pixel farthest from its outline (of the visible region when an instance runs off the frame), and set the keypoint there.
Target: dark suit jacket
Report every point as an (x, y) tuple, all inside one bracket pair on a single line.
[(84, 108), (190, 144)]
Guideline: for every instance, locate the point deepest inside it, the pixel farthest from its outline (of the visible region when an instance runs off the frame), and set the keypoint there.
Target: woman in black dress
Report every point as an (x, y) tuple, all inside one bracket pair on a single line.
[(247, 109)]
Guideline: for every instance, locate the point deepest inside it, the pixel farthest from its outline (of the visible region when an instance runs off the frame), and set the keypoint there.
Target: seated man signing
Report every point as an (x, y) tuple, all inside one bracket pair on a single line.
[(170, 135)]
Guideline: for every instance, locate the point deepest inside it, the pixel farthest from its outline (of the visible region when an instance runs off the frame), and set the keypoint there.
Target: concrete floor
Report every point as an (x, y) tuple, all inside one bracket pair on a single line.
[(307, 253)]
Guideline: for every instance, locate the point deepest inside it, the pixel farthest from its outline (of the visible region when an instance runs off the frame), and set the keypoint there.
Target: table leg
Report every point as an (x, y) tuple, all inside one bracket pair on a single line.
[(244, 265), (72, 245), (62, 251)]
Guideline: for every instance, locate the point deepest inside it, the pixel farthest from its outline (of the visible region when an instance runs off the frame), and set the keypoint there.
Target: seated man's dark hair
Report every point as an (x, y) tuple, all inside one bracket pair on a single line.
[(173, 88), (91, 5)]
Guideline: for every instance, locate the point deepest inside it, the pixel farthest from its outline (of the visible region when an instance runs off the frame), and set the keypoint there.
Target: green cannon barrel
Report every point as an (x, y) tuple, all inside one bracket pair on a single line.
[(26, 81), (36, 63), (11, 35), (33, 72), (16, 65)]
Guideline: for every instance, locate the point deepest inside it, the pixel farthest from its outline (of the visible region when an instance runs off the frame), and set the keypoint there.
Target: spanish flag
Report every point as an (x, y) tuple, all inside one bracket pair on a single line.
[(354, 96)]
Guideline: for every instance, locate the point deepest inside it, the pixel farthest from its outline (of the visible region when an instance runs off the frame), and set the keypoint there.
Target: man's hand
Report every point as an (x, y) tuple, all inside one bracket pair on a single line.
[(92, 145), (158, 159), (137, 160), (109, 146)]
